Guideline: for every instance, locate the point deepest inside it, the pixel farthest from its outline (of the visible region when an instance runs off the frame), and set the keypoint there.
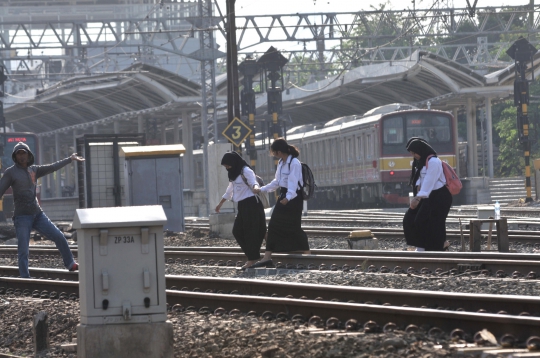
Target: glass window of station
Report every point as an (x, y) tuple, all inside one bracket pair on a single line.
[(10, 141)]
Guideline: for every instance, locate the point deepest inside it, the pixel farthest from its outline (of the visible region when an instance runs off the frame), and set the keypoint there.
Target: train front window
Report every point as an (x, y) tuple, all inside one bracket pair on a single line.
[(393, 131), (434, 129)]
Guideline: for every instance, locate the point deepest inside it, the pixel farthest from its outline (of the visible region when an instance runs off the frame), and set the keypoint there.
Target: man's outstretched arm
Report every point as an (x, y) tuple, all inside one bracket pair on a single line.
[(43, 170)]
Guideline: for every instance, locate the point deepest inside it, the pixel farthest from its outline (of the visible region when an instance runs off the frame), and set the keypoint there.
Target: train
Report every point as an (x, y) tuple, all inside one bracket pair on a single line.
[(360, 161)]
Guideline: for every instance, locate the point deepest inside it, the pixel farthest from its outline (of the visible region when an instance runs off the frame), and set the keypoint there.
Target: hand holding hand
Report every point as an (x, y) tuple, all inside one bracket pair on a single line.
[(256, 190), (74, 156), (415, 202)]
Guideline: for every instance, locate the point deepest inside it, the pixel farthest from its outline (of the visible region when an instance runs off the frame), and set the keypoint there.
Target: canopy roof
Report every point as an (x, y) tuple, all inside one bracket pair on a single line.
[(150, 92)]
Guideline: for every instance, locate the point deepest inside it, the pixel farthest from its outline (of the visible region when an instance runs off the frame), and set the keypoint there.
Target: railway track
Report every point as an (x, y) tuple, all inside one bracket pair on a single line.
[(388, 308), (385, 233), (494, 263)]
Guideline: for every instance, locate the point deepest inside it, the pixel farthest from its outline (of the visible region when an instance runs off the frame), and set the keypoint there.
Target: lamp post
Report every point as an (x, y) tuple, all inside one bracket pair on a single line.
[(272, 62), (249, 68), (522, 53)]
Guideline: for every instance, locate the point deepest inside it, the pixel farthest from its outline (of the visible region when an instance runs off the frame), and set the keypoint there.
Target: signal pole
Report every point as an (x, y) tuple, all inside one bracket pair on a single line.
[(3, 79), (249, 68), (522, 53)]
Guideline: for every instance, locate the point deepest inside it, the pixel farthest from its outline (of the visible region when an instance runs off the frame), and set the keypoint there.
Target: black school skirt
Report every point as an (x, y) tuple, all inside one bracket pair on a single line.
[(285, 227), (425, 226)]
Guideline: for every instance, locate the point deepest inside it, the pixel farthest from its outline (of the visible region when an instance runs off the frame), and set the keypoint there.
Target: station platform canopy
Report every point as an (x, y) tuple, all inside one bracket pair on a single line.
[(145, 91), (78, 103), (423, 77)]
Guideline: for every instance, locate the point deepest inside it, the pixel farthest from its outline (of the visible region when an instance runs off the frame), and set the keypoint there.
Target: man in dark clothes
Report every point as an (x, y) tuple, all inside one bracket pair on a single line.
[(22, 178)]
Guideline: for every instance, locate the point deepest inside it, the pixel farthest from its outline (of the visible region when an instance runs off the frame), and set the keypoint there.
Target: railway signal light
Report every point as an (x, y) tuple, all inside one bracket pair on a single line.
[(522, 52)]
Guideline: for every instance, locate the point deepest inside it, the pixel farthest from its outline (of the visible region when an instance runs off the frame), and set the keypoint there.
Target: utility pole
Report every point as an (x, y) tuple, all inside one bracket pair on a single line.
[(3, 79), (233, 91), (522, 53)]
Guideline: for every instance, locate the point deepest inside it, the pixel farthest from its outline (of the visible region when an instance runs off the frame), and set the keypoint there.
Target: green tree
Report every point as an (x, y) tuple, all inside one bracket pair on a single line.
[(510, 152)]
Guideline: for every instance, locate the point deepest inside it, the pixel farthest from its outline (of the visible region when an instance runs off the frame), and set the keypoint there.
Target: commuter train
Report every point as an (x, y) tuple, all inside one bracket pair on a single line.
[(361, 160)]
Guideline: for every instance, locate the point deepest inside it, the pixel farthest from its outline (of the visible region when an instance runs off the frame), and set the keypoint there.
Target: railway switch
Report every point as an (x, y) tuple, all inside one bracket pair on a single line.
[(122, 282)]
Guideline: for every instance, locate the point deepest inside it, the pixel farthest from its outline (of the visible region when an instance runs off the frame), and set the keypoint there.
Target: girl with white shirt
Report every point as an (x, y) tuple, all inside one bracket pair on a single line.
[(424, 224), (249, 226), (285, 232)]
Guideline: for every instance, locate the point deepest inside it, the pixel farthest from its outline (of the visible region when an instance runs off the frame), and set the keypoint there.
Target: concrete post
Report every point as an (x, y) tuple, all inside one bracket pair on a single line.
[(140, 124), (176, 134), (41, 332), (489, 127), (456, 140), (470, 148), (475, 140), (75, 173), (187, 140), (95, 129), (41, 150), (116, 127), (163, 129), (58, 174)]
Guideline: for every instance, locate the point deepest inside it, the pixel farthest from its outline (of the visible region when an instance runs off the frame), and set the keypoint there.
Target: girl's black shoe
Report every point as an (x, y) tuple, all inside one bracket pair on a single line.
[(266, 263)]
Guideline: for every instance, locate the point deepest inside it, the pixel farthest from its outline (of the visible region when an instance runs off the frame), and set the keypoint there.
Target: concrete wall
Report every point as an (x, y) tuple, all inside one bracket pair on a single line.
[(217, 176), (194, 202), (60, 209), (469, 194)]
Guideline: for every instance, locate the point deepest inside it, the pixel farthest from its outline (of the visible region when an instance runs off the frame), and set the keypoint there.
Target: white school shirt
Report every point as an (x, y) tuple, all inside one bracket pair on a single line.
[(431, 178), (285, 178), (237, 189)]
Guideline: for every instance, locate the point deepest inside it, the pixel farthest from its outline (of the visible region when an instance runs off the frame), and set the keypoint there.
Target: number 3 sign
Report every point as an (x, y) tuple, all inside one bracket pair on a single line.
[(236, 132)]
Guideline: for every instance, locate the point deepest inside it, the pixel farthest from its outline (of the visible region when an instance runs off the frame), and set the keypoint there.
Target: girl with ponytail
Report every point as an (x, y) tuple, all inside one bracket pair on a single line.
[(285, 232)]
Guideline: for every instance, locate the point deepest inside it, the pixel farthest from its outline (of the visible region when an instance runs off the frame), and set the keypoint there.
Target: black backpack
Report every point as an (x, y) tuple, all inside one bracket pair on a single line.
[(309, 186)]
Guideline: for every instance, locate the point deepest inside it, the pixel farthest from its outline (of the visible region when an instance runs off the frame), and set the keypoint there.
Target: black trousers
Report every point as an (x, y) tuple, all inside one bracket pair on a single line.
[(425, 226), (285, 232), (250, 227)]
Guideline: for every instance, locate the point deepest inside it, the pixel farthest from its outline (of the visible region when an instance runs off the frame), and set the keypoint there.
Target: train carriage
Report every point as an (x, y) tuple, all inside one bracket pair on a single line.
[(361, 160)]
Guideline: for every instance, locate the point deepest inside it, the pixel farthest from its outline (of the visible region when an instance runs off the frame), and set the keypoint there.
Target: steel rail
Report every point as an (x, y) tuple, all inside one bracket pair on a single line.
[(11, 250), (532, 237), (417, 262), (512, 304), (415, 298), (522, 327)]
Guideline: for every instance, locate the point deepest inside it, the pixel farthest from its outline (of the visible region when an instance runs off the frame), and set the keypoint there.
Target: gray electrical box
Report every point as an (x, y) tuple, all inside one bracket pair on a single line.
[(122, 268), (153, 176)]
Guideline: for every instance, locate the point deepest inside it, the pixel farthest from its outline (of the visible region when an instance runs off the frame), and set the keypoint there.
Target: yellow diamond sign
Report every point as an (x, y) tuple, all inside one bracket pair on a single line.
[(237, 131)]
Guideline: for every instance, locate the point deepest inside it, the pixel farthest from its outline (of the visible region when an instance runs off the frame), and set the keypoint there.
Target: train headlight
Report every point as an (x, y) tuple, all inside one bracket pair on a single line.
[(391, 164)]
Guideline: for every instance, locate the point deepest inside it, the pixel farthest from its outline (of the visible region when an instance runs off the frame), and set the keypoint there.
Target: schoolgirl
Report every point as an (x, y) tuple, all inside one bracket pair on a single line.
[(424, 224), (285, 232), (249, 226)]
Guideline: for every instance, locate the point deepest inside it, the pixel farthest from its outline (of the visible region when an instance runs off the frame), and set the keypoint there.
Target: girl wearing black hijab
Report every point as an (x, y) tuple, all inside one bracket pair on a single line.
[(249, 226), (424, 224)]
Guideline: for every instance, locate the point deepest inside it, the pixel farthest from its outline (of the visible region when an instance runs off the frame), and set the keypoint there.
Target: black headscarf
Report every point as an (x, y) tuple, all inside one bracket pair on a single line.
[(421, 147), (236, 162)]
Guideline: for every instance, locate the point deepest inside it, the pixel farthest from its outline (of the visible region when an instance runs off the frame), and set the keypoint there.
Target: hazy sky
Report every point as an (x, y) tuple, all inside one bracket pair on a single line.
[(265, 7), (259, 7)]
